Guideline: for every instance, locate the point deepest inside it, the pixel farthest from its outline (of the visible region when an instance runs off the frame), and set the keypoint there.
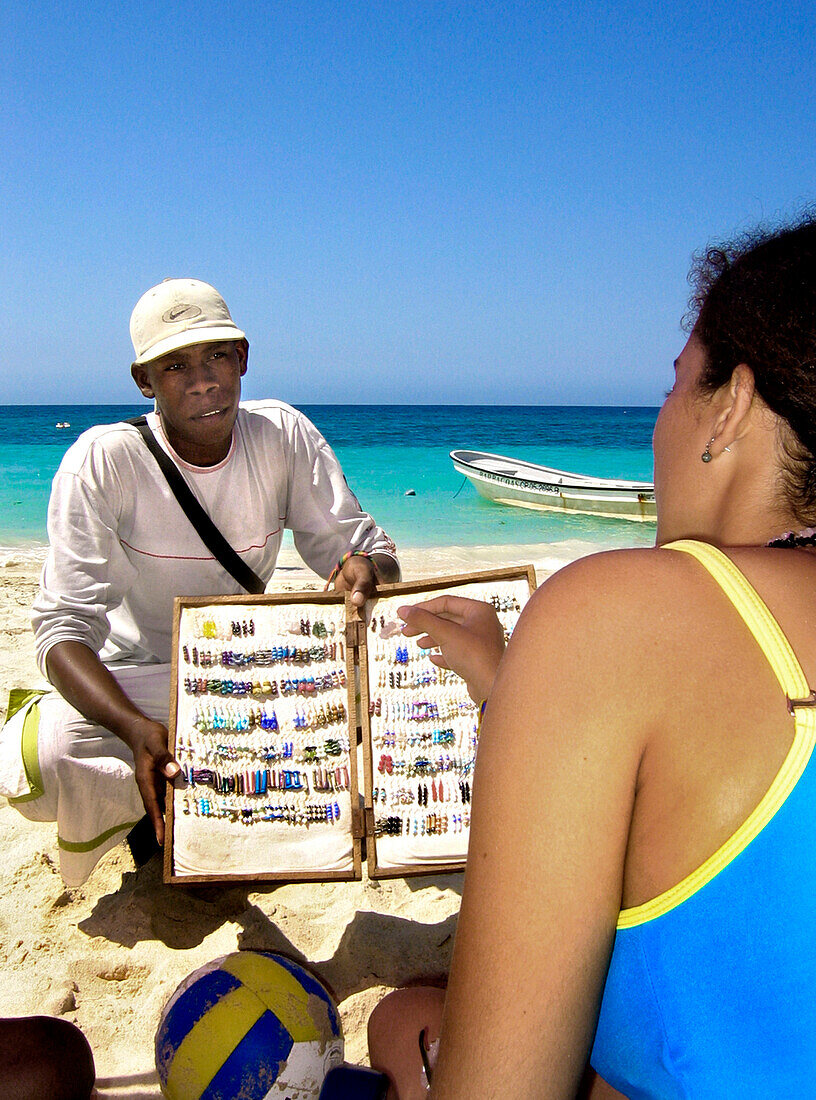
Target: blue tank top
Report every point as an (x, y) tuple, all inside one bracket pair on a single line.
[(711, 990)]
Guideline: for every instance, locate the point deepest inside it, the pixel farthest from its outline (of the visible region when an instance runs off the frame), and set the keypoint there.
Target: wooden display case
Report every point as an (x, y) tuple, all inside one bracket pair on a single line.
[(314, 736)]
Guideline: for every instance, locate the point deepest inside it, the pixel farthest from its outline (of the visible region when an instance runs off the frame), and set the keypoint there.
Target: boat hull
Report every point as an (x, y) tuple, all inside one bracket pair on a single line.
[(554, 497)]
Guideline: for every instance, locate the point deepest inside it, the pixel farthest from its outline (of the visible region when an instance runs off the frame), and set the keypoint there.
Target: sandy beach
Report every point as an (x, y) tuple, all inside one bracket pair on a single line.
[(108, 955)]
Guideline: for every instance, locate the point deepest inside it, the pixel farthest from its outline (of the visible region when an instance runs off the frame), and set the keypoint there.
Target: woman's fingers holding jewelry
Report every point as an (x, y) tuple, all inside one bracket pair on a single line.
[(434, 630), (444, 620), (467, 633), (432, 651), (455, 609)]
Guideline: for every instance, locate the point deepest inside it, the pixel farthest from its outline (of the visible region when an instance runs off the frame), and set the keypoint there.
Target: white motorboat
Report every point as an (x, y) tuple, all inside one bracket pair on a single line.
[(527, 485)]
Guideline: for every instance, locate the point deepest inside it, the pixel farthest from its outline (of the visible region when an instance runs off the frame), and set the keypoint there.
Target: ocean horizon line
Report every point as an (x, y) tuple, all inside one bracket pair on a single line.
[(336, 404)]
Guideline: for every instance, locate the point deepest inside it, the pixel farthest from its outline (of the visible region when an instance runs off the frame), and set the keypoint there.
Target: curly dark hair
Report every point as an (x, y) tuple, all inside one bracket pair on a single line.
[(754, 302)]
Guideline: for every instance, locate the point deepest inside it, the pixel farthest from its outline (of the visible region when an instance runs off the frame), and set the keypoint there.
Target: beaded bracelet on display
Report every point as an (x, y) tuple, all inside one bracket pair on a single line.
[(288, 685), (286, 813)]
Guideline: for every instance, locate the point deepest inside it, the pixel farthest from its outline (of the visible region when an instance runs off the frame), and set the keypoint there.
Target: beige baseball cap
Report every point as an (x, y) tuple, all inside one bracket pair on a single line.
[(177, 313)]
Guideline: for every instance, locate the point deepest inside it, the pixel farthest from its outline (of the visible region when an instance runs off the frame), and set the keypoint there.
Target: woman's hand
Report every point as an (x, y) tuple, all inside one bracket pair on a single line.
[(467, 633)]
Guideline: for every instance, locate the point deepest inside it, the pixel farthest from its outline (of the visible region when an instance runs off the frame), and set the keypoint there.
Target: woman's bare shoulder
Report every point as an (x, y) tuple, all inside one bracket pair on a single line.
[(621, 616), (641, 581), (619, 629)]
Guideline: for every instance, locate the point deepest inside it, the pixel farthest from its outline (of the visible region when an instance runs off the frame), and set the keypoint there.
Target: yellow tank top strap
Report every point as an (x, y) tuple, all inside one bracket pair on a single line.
[(754, 612), (782, 660)]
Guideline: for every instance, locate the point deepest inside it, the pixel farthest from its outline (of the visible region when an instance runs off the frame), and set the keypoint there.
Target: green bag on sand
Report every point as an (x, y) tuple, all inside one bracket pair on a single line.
[(20, 778)]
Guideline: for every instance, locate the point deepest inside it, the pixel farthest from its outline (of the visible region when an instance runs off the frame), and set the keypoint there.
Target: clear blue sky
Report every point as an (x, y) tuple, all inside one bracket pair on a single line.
[(401, 201)]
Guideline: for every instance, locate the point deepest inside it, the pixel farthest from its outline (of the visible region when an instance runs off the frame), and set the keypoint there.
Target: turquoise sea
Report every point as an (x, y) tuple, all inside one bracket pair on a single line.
[(385, 451)]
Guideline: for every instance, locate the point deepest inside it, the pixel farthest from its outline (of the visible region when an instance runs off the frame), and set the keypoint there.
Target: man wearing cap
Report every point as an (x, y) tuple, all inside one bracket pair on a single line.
[(121, 548)]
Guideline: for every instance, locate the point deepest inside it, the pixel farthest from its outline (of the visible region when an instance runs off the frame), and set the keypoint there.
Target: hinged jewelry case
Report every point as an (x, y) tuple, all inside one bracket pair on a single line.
[(314, 736)]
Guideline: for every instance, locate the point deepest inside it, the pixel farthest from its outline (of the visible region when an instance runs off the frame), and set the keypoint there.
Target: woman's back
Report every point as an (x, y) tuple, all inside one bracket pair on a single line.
[(721, 723), (638, 751), (632, 729), (712, 970)]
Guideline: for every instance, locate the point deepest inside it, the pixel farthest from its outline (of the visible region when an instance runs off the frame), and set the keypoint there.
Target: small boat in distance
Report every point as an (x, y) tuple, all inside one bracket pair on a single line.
[(526, 485)]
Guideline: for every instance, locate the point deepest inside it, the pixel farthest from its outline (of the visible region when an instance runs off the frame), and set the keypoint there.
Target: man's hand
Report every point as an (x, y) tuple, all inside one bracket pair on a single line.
[(154, 766), (360, 573), (467, 633), (81, 678), (357, 577)]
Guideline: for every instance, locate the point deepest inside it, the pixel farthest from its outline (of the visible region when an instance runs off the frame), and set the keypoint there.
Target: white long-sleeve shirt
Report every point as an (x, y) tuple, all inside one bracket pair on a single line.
[(121, 548)]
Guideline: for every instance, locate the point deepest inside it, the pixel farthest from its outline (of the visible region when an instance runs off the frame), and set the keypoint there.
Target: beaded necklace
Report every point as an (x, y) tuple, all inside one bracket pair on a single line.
[(793, 539)]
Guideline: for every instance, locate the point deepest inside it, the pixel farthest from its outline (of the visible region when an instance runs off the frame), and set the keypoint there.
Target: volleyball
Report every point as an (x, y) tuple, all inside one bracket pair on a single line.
[(249, 1026)]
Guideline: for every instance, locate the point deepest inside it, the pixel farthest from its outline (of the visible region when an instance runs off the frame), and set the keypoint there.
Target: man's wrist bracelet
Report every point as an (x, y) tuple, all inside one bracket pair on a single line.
[(345, 558)]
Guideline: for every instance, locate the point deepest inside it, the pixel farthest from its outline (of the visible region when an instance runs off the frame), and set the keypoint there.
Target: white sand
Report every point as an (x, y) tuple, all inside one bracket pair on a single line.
[(108, 955)]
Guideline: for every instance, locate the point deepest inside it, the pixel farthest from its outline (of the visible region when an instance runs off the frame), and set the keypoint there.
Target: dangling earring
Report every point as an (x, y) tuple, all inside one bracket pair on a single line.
[(707, 456)]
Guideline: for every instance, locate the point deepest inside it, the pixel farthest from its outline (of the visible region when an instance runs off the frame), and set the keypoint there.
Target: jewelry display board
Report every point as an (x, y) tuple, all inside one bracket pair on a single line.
[(272, 695)]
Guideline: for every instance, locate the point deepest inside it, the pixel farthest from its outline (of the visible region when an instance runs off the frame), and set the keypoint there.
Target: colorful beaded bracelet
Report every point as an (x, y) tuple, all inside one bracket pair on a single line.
[(351, 554)]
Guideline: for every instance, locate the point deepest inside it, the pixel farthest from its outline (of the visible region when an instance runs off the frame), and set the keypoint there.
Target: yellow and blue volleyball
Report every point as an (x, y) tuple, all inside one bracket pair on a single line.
[(249, 1026)]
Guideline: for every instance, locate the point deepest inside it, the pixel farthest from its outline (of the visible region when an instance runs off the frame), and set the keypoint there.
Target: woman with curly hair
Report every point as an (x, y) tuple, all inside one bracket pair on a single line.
[(640, 894)]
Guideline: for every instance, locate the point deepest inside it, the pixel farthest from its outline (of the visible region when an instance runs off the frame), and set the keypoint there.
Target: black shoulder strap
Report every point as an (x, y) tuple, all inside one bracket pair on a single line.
[(209, 533)]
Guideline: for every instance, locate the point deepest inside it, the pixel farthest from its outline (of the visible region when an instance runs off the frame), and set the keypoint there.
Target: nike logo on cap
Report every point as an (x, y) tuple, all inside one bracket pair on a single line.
[(181, 313)]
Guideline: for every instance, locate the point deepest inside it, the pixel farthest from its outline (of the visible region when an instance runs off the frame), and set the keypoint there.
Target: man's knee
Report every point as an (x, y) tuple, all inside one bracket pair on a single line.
[(70, 750), (38, 809), (40, 757)]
